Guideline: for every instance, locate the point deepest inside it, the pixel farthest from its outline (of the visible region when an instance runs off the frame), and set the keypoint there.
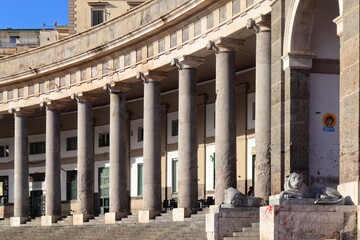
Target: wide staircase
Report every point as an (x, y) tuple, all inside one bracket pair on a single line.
[(162, 227)]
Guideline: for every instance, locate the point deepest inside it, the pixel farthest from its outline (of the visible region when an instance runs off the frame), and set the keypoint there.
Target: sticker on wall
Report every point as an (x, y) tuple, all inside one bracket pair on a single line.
[(329, 121)]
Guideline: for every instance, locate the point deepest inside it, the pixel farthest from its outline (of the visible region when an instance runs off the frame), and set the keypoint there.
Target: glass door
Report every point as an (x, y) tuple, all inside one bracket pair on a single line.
[(104, 190)]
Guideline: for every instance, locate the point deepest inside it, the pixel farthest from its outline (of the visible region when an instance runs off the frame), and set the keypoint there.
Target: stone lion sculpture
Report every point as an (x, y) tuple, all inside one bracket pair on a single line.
[(294, 187), (234, 198)]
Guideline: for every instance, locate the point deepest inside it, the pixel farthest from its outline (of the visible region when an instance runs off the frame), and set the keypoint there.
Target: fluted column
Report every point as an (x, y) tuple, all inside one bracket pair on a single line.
[(85, 161), (52, 170), (262, 176), (21, 170), (119, 201), (225, 116), (152, 146), (187, 140)]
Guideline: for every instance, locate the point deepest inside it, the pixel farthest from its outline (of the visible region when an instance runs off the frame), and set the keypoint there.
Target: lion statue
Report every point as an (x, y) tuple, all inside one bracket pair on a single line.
[(294, 187), (234, 198)]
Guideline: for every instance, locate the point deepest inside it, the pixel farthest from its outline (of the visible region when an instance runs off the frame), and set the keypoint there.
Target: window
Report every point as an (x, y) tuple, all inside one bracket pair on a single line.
[(4, 189), (173, 40), (161, 45), (13, 39), (174, 127), (71, 144), (140, 182), (140, 134), (104, 139), (97, 16), (37, 148), (174, 168), (4, 151), (71, 185)]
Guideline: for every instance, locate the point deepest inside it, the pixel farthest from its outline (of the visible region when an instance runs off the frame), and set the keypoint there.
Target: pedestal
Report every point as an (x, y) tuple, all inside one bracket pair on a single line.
[(49, 220), (17, 221), (146, 215), (222, 222), (80, 219), (308, 222), (112, 217), (179, 214)]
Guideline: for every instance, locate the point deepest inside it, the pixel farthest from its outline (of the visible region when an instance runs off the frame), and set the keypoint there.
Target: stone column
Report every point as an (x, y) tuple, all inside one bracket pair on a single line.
[(296, 126), (85, 161), (277, 97), (262, 166), (119, 201), (225, 116), (152, 146), (348, 29), (52, 171), (21, 170), (187, 139)]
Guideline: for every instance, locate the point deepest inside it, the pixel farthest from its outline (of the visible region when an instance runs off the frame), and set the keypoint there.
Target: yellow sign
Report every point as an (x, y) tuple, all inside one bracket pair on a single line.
[(1, 188)]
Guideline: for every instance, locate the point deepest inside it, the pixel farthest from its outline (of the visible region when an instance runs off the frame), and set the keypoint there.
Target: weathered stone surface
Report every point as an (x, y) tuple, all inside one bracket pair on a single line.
[(307, 222), (227, 221)]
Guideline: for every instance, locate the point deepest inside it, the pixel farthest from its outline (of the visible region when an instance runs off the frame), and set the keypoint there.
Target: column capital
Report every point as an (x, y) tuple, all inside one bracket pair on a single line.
[(117, 88), (187, 61), (81, 97), (339, 21), (225, 44), (298, 60), (260, 24), (47, 104), (18, 111), (151, 76)]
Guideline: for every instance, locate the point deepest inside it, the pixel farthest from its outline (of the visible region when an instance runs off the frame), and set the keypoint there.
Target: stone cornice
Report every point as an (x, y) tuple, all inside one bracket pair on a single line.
[(298, 60)]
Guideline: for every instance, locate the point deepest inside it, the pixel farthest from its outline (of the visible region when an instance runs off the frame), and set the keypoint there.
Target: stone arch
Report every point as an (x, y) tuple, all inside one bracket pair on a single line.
[(297, 36)]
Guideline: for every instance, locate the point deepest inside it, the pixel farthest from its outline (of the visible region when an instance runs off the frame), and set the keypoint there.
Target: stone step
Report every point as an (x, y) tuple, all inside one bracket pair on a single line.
[(241, 238), (192, 228)]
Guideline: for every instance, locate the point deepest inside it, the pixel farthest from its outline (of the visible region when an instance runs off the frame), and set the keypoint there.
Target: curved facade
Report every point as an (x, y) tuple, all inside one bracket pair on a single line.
[(149, 81)]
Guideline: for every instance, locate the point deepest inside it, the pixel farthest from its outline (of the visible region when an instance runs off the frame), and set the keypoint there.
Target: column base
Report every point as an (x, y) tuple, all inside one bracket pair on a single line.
[(146, 215), (112, 217), (179, 214), (80, 219), (48, 220), (17, 221), (350, 191)]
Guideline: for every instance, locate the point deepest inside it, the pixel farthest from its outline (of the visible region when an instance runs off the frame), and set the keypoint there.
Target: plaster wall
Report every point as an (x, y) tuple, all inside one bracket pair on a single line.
[(324, 145), (210, 151), (134, 162)]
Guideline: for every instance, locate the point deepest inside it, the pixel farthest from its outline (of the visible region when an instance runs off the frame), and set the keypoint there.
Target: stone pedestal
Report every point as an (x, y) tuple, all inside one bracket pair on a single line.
[(17, 221), (112, 217), (308, 222), (179, 214), (146, 215), (350, 191), (49, 220), (80, 219), (222, 222)]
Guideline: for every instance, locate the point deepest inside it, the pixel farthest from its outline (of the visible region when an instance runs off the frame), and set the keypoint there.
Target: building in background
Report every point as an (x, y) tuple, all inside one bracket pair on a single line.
[(84, 14), (13, 41)]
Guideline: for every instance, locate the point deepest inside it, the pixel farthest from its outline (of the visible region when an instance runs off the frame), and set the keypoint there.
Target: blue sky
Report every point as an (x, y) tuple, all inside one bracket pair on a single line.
[(32, 14)]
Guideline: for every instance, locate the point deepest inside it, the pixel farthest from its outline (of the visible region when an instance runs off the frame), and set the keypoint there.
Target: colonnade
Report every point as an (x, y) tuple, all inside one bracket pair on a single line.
[(225, 141)]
